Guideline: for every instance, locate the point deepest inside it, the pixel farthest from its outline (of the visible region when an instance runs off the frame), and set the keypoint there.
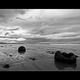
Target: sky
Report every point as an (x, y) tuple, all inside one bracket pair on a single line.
[(18, 24)]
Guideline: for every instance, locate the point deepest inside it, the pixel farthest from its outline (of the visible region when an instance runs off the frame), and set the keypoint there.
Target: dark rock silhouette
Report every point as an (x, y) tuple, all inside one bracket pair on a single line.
[(32, 58), (50, 52), (6, 66), (65, 57), (71, 54), (21, 49)]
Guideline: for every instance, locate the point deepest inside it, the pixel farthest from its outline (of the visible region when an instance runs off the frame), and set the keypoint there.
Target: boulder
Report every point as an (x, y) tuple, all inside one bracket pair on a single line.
[(21, 49)]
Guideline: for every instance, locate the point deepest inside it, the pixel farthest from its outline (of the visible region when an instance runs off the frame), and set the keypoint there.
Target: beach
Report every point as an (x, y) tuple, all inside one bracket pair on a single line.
[(36, 57)]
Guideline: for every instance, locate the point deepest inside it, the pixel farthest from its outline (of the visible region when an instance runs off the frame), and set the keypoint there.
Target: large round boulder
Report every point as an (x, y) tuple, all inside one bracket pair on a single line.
[(21, 49)]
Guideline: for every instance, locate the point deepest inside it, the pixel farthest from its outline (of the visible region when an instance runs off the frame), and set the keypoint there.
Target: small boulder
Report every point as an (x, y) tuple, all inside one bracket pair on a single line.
[(6, 66), (50, 52)]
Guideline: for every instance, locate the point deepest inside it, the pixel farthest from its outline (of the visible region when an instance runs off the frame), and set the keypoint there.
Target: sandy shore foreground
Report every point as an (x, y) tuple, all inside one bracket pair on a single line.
[(36, 58)]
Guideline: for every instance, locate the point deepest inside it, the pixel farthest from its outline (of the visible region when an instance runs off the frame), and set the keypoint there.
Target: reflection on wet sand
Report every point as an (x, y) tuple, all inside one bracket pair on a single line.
[(62, 66)]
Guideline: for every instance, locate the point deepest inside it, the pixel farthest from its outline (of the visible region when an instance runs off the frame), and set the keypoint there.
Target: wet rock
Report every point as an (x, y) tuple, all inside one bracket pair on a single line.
[(21, 49), (32, 58), (58, 52), (71, 54), (6, 66), (68, 55), (65, 57)]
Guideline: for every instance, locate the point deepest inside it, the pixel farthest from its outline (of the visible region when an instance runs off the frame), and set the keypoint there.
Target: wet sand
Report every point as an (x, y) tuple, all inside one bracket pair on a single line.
[(37, 57)]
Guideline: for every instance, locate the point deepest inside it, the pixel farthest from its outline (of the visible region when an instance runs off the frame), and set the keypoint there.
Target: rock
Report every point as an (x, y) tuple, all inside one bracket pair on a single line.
[(33, 59), (65, 57), (6, 66), (50, 52), (21, 49), (58, 52), (64, 53), (71, 54)]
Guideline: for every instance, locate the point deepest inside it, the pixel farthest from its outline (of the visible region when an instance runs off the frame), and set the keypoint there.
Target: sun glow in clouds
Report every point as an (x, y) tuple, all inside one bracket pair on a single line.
[(14, 30), (7, 32)]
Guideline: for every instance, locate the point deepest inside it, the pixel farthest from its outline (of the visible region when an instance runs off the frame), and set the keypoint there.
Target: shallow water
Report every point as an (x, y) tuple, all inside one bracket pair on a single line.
[(73, 46)]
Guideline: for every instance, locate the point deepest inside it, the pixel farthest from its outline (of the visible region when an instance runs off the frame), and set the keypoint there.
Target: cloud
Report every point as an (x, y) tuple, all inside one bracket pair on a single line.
[(11, 31), (45, 23), (11, 40), (64, 35), (35, 14), (33, 21), (8, 14)]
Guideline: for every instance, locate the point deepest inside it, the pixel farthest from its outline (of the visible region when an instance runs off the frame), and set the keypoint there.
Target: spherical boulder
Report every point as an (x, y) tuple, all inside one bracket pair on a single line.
[(21, 49)]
